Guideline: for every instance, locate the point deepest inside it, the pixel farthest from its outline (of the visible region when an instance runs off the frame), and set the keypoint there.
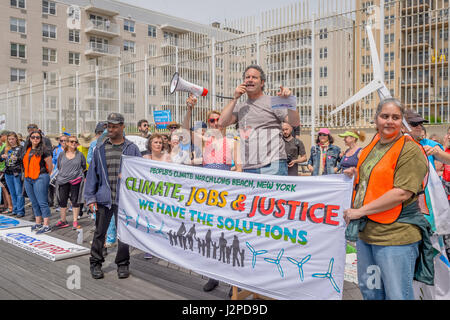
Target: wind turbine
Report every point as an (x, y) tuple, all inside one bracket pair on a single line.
[(377, 84)]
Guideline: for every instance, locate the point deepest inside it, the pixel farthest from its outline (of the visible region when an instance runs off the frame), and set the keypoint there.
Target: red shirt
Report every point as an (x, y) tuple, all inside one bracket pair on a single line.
[(446, 174)]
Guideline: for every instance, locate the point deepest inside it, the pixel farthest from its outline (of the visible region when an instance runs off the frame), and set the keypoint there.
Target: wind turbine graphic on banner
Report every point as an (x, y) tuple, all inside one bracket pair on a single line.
[(377, 84)]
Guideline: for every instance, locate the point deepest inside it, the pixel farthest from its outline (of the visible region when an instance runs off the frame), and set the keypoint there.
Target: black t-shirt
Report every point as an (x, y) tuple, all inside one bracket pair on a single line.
[(13, 166), (294, 148)]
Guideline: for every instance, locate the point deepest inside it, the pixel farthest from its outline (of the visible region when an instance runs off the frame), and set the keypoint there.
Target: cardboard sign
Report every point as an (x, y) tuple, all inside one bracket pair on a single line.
[(8, 222)]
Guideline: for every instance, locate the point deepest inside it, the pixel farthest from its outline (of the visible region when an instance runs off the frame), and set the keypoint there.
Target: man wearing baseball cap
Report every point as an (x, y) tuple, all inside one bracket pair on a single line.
[(415, 122), (102, 193)]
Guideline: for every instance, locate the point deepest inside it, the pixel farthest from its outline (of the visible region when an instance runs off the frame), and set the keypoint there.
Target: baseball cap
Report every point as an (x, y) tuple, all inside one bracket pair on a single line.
[(115, 118), (324, 130), (348, 134), (100, 126), (413, 117)]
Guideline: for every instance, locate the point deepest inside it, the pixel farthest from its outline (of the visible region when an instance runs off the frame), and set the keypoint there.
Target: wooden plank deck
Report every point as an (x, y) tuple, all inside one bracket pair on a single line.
[(27, 276)]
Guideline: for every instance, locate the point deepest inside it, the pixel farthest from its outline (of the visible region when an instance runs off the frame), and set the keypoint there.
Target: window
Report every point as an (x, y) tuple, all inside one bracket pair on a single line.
[(18, 4), (128, 107), (152, 31), (152, 90), (323, 34), (17, 75), (323, 91), (74, 36), (128, 25), (74, 58), (17, 25), (323, 53), (50, 77), (443, 34), (48, 55), (128, 46), (48, 31), (152, 51), (18, 50), (389, 38), (48, 7), (323, 72)]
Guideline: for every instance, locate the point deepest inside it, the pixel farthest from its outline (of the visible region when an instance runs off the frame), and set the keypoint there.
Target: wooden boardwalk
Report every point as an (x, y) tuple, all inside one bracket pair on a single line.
[(27, 276)]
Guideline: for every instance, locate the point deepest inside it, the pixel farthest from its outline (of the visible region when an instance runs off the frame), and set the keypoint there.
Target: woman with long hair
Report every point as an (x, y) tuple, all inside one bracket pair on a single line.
[(12, 155), (71, 164), (37, 164), (325, 155)]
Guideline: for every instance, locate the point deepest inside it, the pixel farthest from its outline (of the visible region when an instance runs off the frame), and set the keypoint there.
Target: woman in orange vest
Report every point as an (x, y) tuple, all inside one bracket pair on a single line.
[(391, 232), (37, 164)]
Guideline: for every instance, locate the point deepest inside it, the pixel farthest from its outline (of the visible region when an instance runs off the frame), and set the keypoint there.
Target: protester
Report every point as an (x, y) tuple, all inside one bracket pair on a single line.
[(166, 142), (172, 126), (415, 121), (350, 157), (37, 164), (102, 193), (155, 146), (62, 140), (143, 128), (295, 149), (177, 154), (393, 234), (47, 143), (325, 156), (8, 208), (12, 156), (262, 145), (438, 153), (84, 143), (99, 130), (71, 165)]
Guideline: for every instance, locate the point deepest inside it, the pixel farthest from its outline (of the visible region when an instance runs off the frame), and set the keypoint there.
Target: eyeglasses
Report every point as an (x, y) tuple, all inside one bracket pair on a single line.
[(62, 140), (35, 137), (213, 120)]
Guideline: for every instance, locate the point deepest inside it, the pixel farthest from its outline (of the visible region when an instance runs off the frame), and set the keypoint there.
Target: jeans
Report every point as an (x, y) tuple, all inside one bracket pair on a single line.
[(37, 191), (276, 168), (386, 272), (102, 220), (15, 188)]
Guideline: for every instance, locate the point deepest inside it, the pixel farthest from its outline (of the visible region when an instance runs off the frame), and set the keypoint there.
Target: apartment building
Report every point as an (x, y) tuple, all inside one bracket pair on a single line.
[(416, 48)]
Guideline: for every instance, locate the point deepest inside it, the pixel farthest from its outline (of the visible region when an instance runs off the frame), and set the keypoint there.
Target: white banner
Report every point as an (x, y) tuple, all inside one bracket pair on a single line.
[(282, 237), (41, 244), (9, 222)]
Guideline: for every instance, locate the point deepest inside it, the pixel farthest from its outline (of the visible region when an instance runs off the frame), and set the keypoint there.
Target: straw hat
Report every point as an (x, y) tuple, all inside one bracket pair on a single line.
[(86, 138)]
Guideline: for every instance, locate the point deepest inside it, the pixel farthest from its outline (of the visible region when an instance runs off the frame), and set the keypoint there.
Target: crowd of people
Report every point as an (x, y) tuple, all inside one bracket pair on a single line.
[(386, 220)]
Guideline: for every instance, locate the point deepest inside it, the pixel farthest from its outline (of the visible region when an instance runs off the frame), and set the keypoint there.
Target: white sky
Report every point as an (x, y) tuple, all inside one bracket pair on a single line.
[(208, 11)]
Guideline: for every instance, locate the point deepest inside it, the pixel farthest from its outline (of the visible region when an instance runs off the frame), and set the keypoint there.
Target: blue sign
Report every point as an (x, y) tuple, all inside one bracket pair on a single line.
[(162, 118), (6, 222)]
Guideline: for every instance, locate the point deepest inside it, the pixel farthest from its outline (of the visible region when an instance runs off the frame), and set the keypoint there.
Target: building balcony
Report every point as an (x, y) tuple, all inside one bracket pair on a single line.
[(103, 94), (102, 11), (102, 29), (414, 6), (94, 49)]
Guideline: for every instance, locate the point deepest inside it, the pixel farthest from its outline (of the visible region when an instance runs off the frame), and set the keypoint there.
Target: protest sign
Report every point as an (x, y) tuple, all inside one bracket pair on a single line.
[(162, 118), (281, 237), (9, 222), (41, 244)]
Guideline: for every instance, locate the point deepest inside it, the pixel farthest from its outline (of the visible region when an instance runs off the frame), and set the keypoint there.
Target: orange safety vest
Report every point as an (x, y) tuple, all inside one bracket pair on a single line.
[(381, 178), (32, 166)]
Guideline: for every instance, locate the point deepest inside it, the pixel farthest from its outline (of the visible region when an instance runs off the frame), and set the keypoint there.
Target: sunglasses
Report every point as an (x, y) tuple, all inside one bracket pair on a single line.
[(73, 141), (415, 124), (62, 140), (173, 127), (213, 120), (323, 135), (35, 137)]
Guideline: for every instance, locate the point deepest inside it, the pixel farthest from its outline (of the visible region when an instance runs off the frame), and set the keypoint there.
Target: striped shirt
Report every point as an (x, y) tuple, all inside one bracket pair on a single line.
[(113, 154)]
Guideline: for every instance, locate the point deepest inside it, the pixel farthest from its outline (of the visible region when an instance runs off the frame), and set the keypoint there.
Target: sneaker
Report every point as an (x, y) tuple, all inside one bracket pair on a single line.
[(76, 226), (44, 229), (123, 272), (20, 215), (61, 224), (36, 227)]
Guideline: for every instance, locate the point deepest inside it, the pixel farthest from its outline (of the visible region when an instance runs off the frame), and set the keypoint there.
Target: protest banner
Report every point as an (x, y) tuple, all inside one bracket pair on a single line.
[(281, 237)]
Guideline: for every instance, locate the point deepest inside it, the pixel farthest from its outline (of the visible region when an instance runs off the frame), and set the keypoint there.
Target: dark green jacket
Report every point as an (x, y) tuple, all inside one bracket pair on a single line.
[(424, 271)]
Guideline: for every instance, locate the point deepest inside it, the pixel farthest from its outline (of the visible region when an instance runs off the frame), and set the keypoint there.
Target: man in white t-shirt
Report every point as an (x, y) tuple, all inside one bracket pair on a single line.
[(262, 145)]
